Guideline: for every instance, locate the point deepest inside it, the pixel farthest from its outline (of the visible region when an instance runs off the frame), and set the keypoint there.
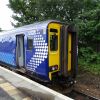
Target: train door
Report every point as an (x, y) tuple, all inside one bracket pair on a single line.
[(20, 51), (68, 51), (54, 47)]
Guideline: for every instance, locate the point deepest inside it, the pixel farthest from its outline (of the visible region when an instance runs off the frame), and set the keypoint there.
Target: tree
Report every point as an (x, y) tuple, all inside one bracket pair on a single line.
[(89, 36), (89, 28), (29, 11)]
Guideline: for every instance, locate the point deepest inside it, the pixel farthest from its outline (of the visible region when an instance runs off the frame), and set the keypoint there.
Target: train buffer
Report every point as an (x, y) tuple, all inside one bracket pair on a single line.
[(16, 87)]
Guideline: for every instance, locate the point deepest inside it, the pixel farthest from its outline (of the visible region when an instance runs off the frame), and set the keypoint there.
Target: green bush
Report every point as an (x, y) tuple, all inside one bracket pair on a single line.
[(89, 60), (89, 55)]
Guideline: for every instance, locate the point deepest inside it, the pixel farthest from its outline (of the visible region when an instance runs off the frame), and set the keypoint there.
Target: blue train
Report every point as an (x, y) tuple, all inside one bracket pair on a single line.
[(47, 50)]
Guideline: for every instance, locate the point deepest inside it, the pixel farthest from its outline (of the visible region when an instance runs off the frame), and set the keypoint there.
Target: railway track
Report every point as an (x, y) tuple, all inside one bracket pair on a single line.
[(74, 94)]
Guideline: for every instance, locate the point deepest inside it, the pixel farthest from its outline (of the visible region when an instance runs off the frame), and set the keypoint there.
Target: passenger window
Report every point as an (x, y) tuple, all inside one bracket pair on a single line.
[(29, 43), (53, 42)]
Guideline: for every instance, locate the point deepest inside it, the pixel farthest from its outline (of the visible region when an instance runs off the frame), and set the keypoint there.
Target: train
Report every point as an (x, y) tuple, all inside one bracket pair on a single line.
[(46, 50)]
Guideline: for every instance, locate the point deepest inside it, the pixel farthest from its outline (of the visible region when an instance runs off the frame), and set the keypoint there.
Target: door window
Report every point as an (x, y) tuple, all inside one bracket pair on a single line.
[(53, 42), (20, 50)]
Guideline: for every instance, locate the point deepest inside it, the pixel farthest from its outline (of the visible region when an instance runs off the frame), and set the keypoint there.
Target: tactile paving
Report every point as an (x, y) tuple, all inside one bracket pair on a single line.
[(10, 92)]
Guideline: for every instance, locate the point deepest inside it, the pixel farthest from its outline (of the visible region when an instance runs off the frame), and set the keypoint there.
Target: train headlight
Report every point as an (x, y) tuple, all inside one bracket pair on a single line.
[(53, 68)]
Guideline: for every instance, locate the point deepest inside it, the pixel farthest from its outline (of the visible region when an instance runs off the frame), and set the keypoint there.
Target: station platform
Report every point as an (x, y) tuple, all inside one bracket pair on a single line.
[(16, 87)]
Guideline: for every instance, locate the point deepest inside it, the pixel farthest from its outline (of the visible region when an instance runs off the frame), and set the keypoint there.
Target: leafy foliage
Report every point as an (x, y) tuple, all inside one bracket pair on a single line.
[(89, 38), (89, 27), (29, 11), (89, 55)]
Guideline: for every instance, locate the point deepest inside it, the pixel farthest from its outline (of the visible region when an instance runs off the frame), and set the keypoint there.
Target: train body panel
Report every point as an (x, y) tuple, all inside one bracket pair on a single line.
[(35, 59), (37, 49), (7, 49)]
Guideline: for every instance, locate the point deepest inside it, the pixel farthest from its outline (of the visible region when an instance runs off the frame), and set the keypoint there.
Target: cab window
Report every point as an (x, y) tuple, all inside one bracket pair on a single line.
[(53, 40)]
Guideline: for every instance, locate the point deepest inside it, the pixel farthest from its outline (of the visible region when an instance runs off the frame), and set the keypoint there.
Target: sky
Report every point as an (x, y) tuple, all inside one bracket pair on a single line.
[(5, 15)]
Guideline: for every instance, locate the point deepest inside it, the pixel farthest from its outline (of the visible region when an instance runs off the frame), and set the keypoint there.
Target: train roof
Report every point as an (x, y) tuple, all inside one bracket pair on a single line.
[(42, 24)]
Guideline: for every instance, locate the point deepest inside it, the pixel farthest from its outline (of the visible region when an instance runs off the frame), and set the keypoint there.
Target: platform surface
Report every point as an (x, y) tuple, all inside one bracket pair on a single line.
[(16, 87)]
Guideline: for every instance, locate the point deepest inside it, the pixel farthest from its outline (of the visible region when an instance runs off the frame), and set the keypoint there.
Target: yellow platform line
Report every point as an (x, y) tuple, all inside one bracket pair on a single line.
[(8, 88), (5, 84), (13, 92), (27, 98)]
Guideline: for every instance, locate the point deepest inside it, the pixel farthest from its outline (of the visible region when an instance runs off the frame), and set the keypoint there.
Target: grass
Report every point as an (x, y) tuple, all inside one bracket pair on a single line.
[(90, 67)]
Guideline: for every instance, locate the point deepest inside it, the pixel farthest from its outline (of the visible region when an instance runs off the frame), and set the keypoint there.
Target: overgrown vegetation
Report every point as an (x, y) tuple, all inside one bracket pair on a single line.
[(29, 11), (89, 60), (89, 39), (84, 13)]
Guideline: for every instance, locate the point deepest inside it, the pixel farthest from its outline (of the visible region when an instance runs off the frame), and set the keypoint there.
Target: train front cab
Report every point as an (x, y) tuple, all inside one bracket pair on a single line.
[(62, 44)]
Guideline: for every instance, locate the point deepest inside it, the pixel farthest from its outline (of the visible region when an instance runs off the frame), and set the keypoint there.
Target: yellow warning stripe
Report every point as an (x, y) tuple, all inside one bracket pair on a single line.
[(27, 98), (11, 90), (7, 86)]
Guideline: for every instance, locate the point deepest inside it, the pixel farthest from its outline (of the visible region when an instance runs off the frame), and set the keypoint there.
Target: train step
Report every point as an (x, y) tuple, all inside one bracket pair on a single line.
[(22, 70)]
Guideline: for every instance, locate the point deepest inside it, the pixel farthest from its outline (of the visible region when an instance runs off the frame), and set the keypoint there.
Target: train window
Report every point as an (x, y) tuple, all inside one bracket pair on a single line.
[(53, 30), (53, 42), (29, 43)]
